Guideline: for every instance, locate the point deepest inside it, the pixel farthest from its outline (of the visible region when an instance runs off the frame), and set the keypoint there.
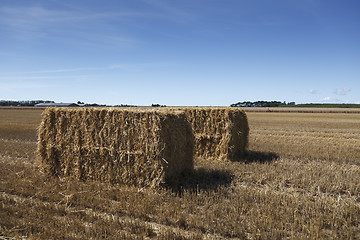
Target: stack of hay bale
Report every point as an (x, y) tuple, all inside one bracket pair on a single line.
[(136, 147), (140, 147), (220, 133)]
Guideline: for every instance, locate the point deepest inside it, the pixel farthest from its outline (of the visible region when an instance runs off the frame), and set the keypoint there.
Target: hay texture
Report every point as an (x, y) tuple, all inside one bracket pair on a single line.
[(134, 147), (220, 133)]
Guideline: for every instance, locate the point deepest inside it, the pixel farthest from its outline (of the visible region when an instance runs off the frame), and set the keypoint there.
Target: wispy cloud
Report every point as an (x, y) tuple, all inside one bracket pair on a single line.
[(66, 26), (329, 99), (73, 24), (342, 91), (48, 77), (34, 17), (313, 91), (28, 19), (169, 11), (14, 78), (12, 86), (65, 70), (117, 66)]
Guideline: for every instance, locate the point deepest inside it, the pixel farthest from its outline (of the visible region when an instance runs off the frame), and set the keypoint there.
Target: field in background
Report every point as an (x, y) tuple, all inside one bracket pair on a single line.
[(302, 109), (300, 179)]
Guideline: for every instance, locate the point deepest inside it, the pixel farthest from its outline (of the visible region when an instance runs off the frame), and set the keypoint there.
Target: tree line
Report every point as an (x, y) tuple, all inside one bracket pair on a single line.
[(27, 103), (262, 104)]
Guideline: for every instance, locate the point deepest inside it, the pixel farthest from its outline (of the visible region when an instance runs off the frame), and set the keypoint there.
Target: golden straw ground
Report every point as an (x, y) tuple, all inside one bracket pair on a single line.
[(311, 191)]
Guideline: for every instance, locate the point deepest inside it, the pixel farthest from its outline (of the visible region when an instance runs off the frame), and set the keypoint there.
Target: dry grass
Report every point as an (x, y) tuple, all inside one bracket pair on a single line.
[(19, 124), (288, 186), (329, 136)]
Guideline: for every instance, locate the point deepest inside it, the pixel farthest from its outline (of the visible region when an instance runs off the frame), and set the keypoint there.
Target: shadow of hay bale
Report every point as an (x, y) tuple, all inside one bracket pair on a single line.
[(201, 179), (259, 157)]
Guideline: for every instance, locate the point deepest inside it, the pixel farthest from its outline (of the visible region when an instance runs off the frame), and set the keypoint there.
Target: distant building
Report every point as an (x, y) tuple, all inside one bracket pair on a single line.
[(57, 105)]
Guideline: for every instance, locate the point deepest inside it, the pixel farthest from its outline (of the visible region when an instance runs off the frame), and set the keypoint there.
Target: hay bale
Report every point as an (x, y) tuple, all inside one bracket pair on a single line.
[(220, 133), (135, 147)]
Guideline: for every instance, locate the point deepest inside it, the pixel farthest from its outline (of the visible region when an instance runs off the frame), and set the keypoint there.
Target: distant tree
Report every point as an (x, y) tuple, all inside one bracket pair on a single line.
[(95, 105), (23, 103), (125, 105), (258, 104)]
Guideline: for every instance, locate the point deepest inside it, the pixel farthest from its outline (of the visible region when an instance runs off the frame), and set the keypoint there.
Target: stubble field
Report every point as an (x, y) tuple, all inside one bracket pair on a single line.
[(299, 180)]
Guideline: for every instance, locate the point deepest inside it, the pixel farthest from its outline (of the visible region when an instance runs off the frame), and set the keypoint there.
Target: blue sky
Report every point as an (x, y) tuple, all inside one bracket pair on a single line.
[(180, 52)]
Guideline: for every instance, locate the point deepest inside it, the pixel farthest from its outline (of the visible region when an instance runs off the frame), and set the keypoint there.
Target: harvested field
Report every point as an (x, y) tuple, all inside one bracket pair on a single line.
[(137, 147), (302, 109), (330, 136), (299, 180)]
